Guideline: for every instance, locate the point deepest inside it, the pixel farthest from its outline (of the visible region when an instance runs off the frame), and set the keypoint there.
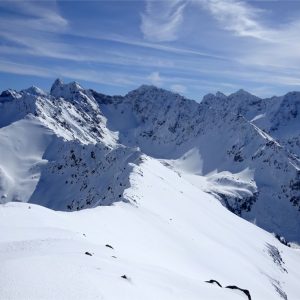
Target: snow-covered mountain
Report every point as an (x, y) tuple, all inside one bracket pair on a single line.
[(240, 148), (166, 163), (220, 146)]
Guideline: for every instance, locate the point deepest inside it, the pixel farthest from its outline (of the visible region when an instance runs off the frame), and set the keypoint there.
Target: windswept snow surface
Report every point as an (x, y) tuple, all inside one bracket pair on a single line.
[(167, 242)]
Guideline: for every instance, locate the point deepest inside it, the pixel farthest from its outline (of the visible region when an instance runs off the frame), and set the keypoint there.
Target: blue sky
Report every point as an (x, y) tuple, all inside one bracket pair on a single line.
[(190, 46)]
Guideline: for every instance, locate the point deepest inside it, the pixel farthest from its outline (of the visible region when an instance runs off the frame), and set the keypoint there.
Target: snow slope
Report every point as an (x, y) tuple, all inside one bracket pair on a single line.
[(21, 159), (167, 241)]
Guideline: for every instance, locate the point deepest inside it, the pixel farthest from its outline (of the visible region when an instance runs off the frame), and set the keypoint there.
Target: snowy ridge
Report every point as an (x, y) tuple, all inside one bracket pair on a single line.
[(90, 140), (165, 245)]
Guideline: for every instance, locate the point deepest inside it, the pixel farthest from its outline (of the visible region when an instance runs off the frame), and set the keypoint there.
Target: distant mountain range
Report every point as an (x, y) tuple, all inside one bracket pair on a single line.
[(75, 148)]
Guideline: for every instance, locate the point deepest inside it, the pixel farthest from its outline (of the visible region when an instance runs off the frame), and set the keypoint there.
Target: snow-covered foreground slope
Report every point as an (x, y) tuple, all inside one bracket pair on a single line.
[(167, 241)]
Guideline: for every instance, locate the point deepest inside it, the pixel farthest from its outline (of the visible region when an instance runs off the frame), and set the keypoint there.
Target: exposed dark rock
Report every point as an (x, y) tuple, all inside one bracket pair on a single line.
[(214, 281), (109, 246), (275, 254), (282, 240), (234, 287)]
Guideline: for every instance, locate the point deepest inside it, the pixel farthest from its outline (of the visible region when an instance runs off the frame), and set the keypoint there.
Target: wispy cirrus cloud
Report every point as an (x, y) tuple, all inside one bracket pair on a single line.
[(38, 29), (161, 20), (39, 16), (34, 27), (236, 16), (245, 20), (275, 45)]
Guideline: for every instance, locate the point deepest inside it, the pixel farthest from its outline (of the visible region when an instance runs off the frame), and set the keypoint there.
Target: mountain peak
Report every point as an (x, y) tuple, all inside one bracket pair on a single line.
[(241, 93), (65, 90), (145, 88), (57, 83), (292, 95), (34, 91), (10, 94), (220, 95), (151, 90)]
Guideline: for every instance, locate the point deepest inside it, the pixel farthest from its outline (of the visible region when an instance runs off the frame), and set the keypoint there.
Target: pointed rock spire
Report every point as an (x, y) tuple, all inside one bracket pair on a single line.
[(65, 90), (56, 87)]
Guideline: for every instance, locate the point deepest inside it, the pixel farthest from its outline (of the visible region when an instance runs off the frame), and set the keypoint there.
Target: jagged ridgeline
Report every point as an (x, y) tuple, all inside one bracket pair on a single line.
[(75, 148)]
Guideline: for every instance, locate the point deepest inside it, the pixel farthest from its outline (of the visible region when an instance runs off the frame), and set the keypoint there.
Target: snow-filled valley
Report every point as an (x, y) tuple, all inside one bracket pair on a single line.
[(148, 196)]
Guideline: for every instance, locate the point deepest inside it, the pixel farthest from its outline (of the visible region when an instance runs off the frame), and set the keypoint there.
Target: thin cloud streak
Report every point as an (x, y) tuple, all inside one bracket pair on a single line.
[(277, 46), (245, 20), (37, 16), (107, 78), (155, 46), (161, 20), (236, 16)]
